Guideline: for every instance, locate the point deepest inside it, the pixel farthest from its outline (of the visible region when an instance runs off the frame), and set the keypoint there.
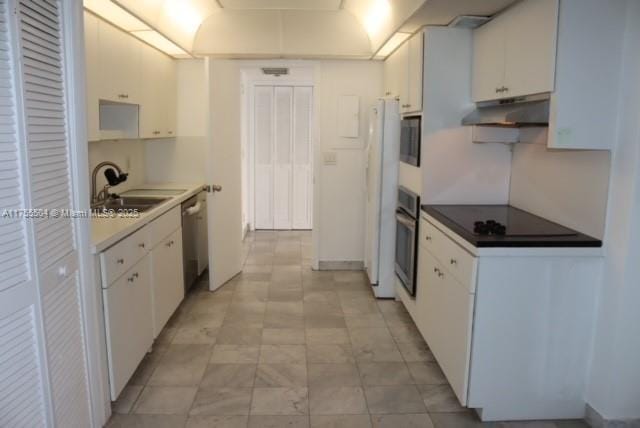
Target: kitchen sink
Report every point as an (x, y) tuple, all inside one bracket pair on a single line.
[(141, 204)]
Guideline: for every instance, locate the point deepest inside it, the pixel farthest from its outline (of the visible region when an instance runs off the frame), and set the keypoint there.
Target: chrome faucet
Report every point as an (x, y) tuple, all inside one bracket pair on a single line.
[(103, 195)]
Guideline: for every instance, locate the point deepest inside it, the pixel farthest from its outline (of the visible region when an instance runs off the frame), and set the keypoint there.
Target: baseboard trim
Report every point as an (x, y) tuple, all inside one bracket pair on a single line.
[(596, 420), (341, 265)]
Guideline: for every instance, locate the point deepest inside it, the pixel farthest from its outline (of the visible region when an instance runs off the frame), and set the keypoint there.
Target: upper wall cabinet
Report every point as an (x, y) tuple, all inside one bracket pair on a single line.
[(158, 107), (119, 59), (403, 74), (124, 72), (515, 53)]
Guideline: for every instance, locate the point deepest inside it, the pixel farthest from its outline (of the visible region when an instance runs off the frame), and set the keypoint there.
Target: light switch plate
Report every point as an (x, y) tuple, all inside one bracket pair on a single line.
[(330, 158)]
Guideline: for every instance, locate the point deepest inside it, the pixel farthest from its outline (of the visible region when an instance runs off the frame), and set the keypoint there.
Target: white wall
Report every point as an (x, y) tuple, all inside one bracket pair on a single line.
[(341, 210), (183, 159), (127, 154), (569, 187), (614, 390)]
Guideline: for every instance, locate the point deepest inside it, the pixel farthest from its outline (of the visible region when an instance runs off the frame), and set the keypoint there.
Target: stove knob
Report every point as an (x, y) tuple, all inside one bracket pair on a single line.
[(500, 230)]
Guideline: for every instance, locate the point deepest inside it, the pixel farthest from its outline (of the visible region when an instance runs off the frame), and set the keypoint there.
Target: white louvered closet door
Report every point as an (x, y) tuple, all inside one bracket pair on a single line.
[(263, 148), (23, 392), (282, 147), (302, 172), (43, 371), (282, 184)]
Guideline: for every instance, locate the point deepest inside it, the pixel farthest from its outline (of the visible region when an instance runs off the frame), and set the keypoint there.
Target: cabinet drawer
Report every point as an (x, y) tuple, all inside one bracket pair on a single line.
[(447, 323), (456, 260), (120, 257), (164, 225), (127, 308)]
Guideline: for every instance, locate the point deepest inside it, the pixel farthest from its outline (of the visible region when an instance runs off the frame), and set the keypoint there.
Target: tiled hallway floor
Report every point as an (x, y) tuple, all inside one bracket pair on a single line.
[(282, 346)]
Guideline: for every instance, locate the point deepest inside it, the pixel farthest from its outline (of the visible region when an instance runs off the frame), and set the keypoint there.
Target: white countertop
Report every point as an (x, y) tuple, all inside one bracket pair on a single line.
[(107, 231)]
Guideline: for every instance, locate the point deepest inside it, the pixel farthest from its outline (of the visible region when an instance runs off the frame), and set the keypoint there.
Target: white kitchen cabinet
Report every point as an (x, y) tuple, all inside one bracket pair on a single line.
[(128, 322), (170, 97), (167, 288), (119, 59), (391, 70), (447, 318), (403, 74), (159, 97), (496, 321), (489, 59), (412, 101), (515, 53), (142, 281), (123, 70)]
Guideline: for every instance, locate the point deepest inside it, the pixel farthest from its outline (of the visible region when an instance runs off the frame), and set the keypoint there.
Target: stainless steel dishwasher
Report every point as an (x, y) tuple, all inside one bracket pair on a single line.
[(194, 238)]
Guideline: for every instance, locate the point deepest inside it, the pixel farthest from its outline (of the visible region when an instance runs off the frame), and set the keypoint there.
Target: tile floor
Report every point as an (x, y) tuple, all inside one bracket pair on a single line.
[(283, 346)]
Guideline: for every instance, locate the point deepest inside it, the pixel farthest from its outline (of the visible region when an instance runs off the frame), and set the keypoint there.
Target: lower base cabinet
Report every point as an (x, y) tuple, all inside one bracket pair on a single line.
[(128, 323), (167, 282), (507, 326), (143, 284), (446, 318)]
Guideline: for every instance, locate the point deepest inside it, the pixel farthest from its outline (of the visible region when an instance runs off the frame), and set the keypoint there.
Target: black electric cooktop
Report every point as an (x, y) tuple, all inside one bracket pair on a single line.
[(506, 226)]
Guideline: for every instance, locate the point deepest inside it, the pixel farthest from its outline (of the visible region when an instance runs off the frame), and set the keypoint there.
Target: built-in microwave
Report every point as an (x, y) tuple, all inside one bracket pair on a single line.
[(410, 140)]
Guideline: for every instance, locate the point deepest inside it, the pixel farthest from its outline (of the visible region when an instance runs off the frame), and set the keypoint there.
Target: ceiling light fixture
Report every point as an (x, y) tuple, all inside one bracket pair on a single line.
[(392, 44), (114, 14), (121, 18), (159, 41)]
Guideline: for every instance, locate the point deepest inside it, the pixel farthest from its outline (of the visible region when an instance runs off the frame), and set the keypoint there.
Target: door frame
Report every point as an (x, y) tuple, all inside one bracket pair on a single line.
[(91, 298), (301, 75)]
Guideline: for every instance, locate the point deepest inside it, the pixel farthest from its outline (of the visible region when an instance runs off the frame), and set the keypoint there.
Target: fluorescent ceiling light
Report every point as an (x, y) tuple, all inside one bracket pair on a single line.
[(377, 15), (111, 12), (159, 41), (392, 44), (114, 14)]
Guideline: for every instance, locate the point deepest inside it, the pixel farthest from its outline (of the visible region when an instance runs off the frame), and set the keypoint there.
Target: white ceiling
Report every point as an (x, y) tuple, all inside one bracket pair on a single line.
[(297, 28), (281, 4)]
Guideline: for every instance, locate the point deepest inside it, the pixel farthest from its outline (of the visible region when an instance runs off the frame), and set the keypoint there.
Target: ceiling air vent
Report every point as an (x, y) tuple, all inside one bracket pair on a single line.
[(468, 21), (275, 71)]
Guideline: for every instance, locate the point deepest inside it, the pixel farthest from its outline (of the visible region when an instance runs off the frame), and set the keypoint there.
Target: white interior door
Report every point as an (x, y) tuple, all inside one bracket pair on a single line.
[(282, 147), (224, 201), (43, 366)]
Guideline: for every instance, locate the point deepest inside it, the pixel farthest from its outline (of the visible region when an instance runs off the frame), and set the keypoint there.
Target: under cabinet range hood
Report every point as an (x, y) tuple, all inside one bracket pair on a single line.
[(517, 112)]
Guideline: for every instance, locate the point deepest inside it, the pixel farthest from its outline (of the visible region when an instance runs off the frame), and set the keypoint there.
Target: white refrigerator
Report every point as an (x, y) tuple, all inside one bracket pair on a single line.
[(382, 163)]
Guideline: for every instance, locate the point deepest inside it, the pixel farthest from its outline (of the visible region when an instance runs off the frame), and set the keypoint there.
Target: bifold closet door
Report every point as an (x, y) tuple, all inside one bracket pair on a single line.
[(263, 148), (43, 366), (302, 172), (282, 146), (282, 180)]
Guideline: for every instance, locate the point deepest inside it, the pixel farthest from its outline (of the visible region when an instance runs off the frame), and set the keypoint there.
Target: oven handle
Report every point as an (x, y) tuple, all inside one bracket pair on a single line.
[(406, 220)]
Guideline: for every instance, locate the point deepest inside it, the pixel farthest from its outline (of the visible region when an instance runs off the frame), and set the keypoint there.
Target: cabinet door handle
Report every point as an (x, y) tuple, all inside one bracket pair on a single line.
[(436, 270), (135, 275), (453, 261), (170, 132), (120, 261), (130, 279), (141, 245), (170, 243), (428, 238)]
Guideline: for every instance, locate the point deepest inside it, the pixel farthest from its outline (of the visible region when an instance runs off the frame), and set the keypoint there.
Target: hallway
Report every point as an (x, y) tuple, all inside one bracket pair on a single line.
[(281, 345)]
